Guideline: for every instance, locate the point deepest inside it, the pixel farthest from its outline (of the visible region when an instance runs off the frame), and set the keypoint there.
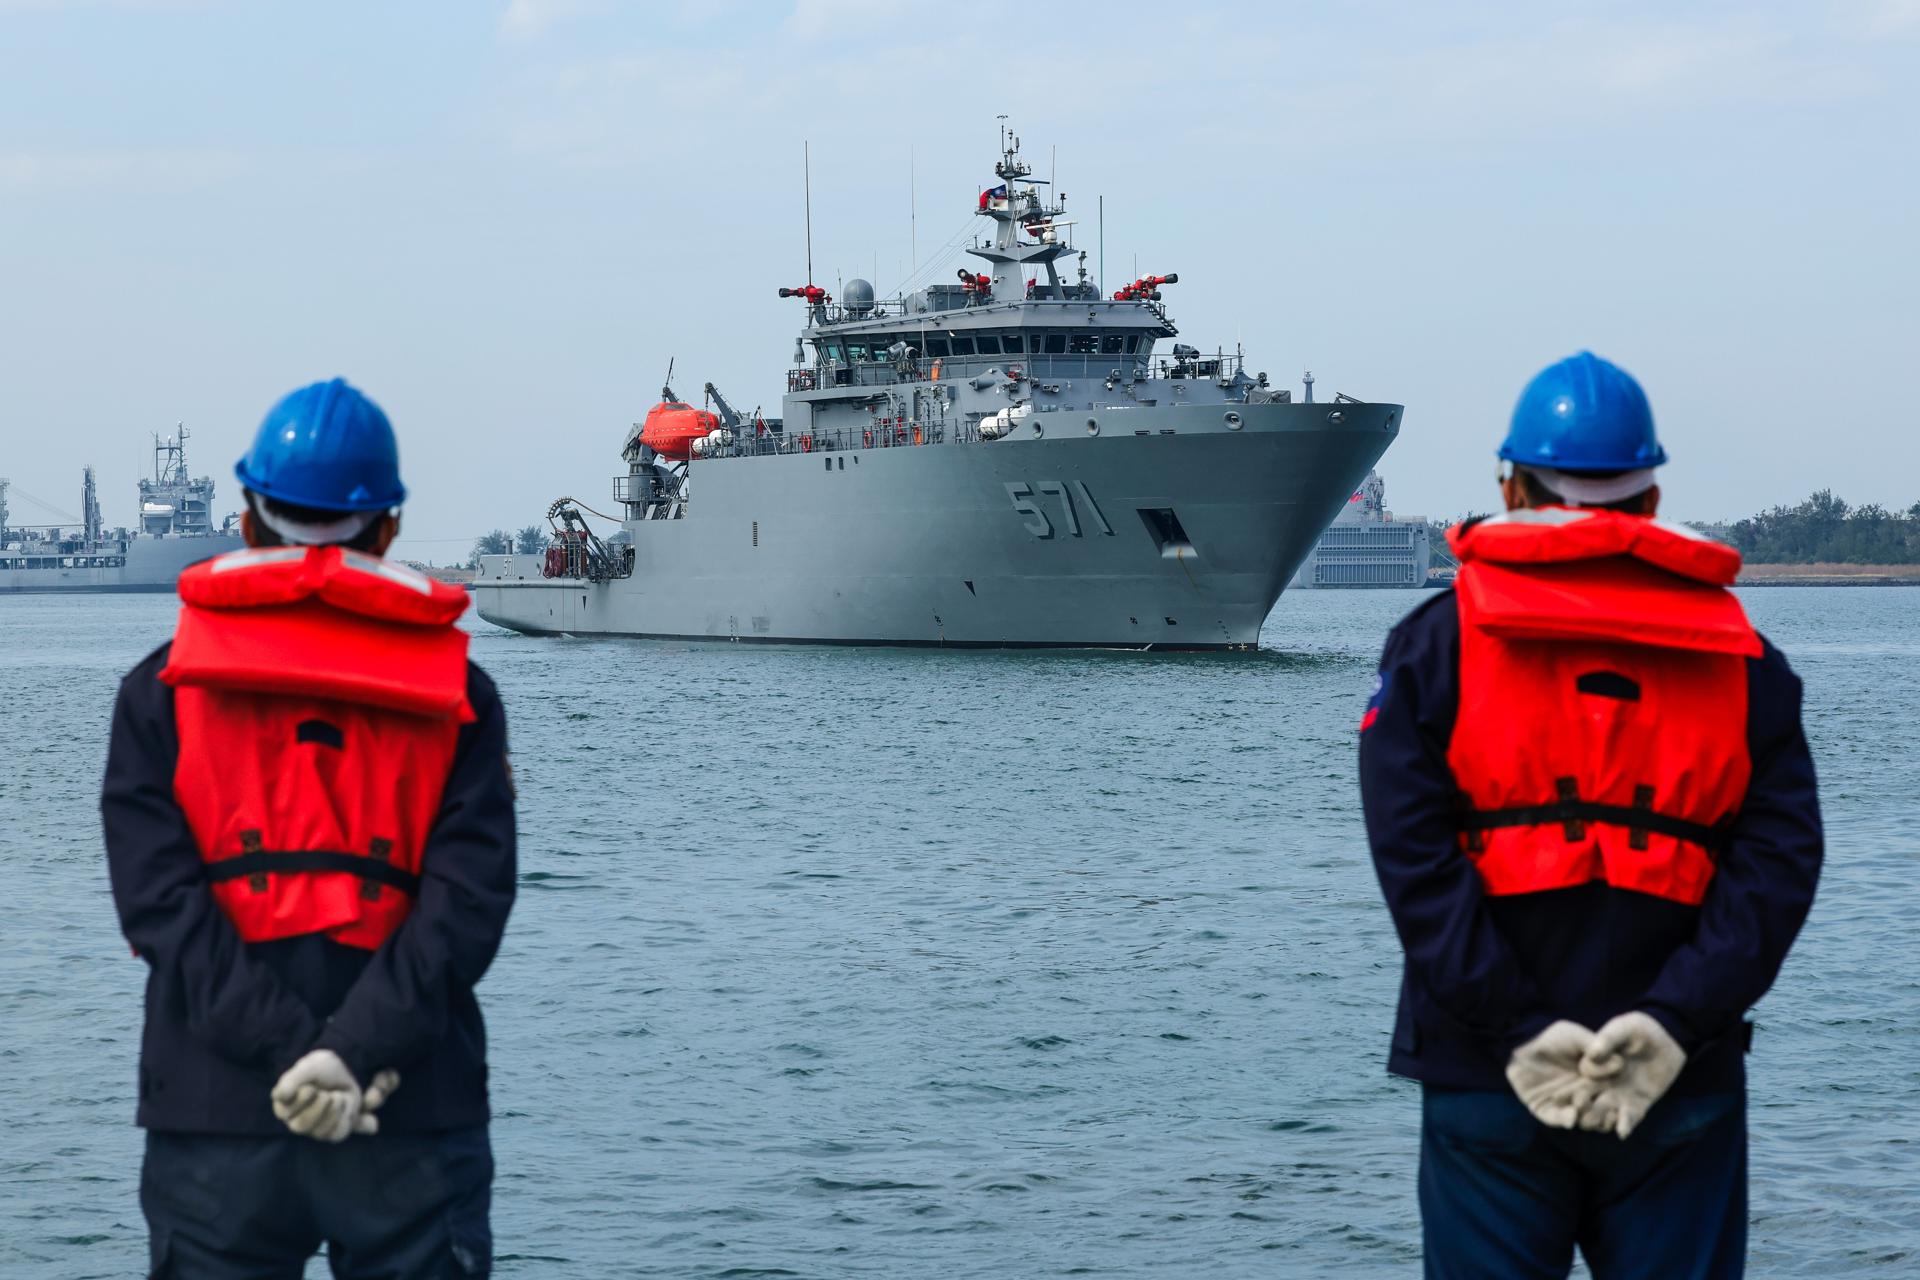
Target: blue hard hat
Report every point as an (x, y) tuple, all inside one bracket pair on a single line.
[(325, 446), (1583, 414)]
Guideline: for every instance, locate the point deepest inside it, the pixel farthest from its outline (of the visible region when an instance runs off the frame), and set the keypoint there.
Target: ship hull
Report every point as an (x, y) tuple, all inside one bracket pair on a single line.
[(1060, 541), (152, 565)]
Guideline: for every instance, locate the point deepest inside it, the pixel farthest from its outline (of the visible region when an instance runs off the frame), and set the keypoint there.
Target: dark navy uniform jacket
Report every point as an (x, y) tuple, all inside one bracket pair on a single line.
[(1485, 974), (225, 1017)]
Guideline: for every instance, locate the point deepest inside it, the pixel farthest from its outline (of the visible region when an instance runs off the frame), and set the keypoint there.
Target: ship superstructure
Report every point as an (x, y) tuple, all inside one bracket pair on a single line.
[(176, 528), (1005, 460)]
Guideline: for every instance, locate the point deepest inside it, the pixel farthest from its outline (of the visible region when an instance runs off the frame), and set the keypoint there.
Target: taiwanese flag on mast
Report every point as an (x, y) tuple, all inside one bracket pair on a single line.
[(993, 194)]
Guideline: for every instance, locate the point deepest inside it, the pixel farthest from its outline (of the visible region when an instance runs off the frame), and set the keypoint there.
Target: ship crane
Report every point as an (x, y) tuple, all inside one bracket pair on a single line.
[(579, 552), (728, 418)]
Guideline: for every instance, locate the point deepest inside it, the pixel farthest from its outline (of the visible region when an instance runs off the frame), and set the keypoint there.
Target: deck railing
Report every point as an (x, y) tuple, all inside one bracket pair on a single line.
[(1041, 367)]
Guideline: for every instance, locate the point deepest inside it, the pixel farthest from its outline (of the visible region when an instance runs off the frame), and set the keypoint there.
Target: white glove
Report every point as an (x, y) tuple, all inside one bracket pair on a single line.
[(1633, 1062), (318, 1098), (1545, 1074)]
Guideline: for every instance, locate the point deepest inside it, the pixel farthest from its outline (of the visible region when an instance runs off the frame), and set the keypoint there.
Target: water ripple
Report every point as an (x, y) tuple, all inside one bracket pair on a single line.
[(876, 964)]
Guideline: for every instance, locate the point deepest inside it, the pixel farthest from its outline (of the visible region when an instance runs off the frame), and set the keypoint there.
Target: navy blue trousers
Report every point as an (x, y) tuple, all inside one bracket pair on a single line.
[(1503, 1195), (404, 1206)]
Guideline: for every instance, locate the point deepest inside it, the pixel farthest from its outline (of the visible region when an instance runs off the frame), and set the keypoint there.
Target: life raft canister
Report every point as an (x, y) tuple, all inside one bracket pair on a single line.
[(1601, 733), (318, 695)]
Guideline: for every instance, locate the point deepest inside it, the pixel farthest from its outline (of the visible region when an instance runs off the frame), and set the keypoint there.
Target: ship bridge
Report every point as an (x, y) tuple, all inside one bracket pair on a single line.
[(1021, 319)]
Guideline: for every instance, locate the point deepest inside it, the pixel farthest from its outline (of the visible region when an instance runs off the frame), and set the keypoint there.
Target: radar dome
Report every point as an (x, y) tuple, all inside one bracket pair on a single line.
[(857, 297)]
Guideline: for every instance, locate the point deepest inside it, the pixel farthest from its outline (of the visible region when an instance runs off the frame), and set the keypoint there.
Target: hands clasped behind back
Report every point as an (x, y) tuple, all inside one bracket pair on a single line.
[(1600, 1081), (1633, 1062), (1545, 1074), (318, 1097)]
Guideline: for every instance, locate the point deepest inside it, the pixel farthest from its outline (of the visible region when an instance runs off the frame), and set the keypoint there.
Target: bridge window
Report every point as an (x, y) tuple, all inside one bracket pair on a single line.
[(937, 348), (1012, 343), (963, 344), (1084, 344), (988, 343), (834, 350), (1056, 344), (1110, 344)]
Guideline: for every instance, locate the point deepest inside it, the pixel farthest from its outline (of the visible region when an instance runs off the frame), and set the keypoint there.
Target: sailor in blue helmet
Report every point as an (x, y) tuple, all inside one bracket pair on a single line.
[(310, 837), (1594, 820), (327, 454)]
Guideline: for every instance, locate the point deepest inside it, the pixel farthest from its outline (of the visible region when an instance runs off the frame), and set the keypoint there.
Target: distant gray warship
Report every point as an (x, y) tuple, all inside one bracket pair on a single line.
[(999, 462), (176, 529), (1366, 547)]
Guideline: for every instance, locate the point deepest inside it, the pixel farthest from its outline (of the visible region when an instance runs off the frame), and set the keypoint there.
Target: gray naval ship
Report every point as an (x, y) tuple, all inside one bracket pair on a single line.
[(1366, 546), (176, 529), (1005, 461)]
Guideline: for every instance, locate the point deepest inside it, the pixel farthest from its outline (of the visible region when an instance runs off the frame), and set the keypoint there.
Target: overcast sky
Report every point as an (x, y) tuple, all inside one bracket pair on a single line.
[(501, 219)]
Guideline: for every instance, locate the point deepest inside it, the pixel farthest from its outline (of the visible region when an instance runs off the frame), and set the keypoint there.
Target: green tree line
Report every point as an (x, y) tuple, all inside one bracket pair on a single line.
[(1822, 530), (1825, 530)]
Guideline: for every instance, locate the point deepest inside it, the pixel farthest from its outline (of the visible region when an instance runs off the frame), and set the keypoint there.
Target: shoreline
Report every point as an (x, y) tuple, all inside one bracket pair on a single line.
[(1829, 575)]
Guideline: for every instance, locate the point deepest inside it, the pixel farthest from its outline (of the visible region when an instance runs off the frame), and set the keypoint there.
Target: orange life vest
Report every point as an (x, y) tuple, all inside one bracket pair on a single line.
[(318, 693), (1603, 696)]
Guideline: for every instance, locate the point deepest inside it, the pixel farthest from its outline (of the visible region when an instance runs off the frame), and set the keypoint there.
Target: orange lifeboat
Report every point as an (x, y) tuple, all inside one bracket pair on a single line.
[(672, 427)]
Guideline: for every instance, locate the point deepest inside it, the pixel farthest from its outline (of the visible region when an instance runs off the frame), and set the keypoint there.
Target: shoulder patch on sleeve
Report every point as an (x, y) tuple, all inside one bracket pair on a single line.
[(1372, 712)]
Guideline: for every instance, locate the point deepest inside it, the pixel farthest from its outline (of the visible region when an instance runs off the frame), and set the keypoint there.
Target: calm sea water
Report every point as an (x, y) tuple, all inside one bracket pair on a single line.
[(908, 963)]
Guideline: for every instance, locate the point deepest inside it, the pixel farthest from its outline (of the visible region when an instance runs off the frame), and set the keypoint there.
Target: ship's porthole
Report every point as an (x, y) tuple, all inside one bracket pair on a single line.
[(1336, 417), (1093, 426), (1233, 420)]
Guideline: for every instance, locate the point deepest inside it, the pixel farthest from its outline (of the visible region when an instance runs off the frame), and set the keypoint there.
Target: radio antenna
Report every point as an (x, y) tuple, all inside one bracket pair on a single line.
[(806, 171)]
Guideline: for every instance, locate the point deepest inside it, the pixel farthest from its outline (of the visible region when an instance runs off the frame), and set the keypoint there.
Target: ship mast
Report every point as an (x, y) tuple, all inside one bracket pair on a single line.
[(1015, 205), (89, 507)]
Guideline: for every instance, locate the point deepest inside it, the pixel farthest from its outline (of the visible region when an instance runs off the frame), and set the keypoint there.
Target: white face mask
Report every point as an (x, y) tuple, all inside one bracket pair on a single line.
[(1593, 491), (348, 527)]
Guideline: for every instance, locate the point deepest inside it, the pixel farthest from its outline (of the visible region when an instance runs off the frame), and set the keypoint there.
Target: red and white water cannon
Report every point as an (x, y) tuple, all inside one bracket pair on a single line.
[(813, 293), (1146, 287)]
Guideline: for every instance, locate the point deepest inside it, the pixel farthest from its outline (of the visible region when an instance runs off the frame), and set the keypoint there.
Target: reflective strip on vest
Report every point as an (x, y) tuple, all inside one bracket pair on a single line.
[(1601, 734)]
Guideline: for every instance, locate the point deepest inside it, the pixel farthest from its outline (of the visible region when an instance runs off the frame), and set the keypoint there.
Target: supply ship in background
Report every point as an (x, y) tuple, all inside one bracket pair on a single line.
[(1003, 461), (1366, 546), (176, 529)]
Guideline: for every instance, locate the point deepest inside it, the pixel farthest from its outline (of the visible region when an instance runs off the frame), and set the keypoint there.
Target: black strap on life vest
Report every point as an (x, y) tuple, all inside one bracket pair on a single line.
[(261, 862), (1571, 813)]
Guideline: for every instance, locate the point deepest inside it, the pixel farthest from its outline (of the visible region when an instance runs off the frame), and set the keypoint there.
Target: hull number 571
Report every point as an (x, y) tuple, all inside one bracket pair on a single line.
[(1034, 500)]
